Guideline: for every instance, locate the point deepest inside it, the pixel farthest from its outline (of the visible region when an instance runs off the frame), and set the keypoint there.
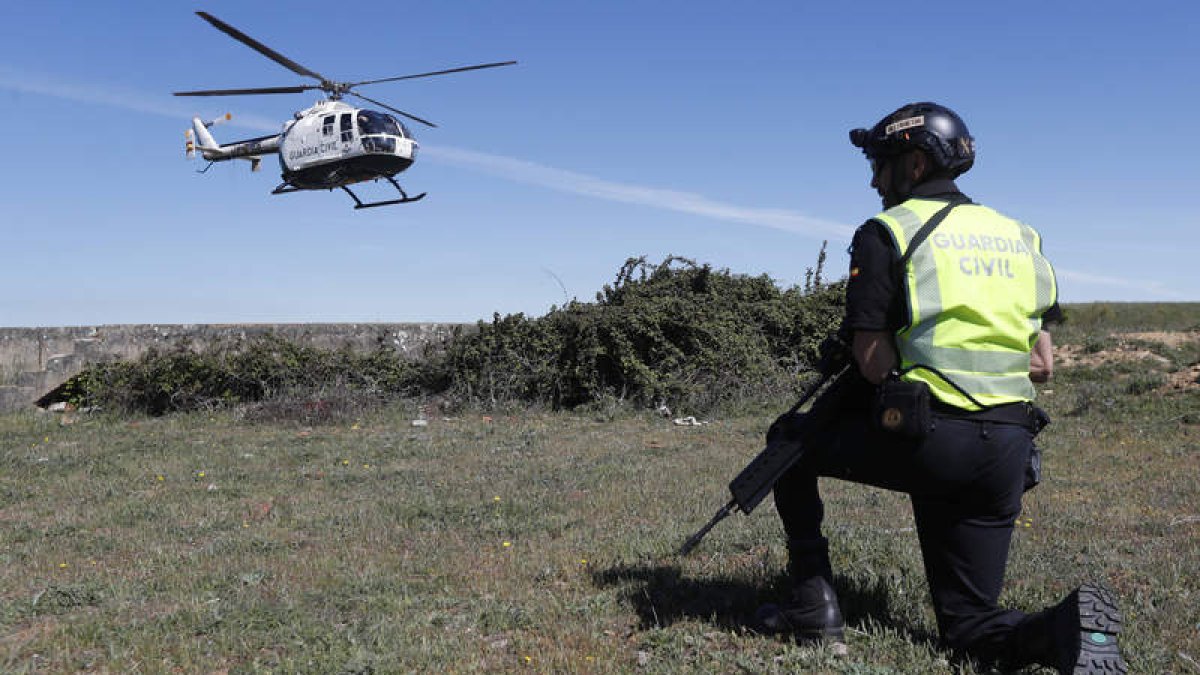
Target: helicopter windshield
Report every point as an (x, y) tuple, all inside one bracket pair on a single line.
[(371, 122)]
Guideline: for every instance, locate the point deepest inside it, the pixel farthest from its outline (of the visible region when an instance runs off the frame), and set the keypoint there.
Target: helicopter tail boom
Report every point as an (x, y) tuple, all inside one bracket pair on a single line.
[(250, 149)]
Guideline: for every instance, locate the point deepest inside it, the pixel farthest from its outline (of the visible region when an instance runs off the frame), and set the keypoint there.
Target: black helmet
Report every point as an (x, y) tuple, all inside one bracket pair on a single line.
[(928, 126)]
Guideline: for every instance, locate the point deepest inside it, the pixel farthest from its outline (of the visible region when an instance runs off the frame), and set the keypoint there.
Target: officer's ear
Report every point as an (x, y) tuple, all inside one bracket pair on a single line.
[(918, 166)]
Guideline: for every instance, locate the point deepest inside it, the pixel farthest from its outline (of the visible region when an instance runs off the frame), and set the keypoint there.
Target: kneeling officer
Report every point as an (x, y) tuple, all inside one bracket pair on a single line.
[(944, 322)]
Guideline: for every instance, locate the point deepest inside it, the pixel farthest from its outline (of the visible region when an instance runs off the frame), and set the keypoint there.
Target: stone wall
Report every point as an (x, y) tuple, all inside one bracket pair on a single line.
[(34, 361)]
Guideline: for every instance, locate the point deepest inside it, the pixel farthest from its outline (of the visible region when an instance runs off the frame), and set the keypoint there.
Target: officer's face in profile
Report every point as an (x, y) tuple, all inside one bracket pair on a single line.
[(882, 179), (894, 177), (881, 173)]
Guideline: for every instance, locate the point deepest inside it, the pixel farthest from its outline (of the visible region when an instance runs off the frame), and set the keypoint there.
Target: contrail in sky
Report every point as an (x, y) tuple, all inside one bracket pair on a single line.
[(563, 180), (520, 171), (114, 96)]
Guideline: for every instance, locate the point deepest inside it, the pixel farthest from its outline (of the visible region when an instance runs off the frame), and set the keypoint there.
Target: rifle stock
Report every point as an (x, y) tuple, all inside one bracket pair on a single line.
[(754, 482)]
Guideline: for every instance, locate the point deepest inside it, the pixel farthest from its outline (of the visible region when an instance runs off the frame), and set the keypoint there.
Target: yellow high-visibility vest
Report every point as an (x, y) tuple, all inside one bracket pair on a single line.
[(976, 290)]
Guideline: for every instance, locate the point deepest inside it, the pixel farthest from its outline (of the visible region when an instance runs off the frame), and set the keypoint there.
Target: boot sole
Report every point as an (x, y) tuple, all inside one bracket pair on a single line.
[(1099, 624), (773, 619)]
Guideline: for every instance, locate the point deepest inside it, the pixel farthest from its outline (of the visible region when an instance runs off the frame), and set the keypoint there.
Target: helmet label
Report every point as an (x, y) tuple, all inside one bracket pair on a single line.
[(901, 125)]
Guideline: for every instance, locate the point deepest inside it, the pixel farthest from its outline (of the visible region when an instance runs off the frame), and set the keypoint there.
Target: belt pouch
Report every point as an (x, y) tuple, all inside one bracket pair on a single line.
[(902, 408)]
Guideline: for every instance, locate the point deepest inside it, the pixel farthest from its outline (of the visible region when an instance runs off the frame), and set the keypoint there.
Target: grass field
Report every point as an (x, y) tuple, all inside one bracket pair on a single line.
[(544, 542)]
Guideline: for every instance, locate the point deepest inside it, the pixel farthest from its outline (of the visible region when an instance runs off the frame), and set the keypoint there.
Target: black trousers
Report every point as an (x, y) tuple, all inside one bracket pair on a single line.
[(965, 480)]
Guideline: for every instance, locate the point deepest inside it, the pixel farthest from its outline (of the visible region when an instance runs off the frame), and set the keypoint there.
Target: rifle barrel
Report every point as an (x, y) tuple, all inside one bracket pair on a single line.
[(694, 540), (757, 480)]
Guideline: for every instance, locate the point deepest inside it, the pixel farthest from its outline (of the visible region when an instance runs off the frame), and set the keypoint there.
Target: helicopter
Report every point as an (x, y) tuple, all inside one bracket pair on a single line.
[(329, 145)]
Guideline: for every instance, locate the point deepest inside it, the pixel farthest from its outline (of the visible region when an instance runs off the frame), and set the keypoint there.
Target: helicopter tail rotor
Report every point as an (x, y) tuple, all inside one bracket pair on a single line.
[(220, 120), (200, 128), (201, 135)]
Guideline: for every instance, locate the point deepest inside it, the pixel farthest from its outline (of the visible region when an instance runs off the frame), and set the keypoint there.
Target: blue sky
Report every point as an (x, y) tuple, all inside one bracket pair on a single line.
[(709, 130)]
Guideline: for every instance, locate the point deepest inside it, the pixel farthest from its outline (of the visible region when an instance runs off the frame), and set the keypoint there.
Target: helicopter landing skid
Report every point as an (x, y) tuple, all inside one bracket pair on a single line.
[(284, 188), (358, 203)]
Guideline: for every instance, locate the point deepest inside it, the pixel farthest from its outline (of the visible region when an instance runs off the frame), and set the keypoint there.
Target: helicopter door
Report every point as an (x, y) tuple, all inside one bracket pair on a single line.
[(346, 123)]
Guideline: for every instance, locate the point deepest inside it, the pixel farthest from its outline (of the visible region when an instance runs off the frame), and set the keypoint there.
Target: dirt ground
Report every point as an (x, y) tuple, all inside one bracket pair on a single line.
[(1130, 347)]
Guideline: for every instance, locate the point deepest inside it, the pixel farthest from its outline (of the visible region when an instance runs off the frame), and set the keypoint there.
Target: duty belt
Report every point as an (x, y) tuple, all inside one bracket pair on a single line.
[(1022, 414)]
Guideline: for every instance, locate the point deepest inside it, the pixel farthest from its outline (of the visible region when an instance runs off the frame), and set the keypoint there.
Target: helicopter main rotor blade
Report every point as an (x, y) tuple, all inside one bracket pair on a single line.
[(436, 72), (260, 90), (395, 110), (259, 47)]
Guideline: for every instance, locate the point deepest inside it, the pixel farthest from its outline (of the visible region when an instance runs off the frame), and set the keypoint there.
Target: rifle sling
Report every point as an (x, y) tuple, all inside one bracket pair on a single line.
[(927, 229)]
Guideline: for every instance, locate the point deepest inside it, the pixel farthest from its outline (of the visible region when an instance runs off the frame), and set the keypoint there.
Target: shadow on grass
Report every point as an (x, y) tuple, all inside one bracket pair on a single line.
[(661, 595)]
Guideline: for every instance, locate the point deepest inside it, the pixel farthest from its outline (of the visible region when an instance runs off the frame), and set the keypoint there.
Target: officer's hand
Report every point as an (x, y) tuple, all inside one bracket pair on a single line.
[(787, 427), (833, 354)]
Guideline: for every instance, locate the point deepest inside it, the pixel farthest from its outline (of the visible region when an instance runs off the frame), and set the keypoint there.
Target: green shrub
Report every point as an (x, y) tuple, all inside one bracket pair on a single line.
[(237, 371), (678, 333)]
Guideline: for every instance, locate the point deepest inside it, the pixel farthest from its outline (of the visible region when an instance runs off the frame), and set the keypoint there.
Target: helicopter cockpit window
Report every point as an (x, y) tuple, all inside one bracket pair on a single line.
[(371, 122), (327, 125), (381, 144)]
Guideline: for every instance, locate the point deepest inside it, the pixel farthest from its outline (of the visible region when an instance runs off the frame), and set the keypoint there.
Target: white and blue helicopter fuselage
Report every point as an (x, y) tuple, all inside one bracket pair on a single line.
[(330, 145)]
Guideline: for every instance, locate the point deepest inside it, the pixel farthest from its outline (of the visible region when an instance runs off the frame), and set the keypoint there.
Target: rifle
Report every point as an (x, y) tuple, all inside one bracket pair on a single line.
[(758, 478)]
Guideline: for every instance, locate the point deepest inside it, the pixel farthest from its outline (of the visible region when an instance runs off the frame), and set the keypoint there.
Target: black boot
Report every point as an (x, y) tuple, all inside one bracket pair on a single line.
[(1086, 624), (812, 611), (1078, 636)]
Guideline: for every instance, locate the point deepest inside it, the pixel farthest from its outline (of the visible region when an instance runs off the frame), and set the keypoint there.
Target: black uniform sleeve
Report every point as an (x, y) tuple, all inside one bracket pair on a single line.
[(872, 298), (1053, 316)]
